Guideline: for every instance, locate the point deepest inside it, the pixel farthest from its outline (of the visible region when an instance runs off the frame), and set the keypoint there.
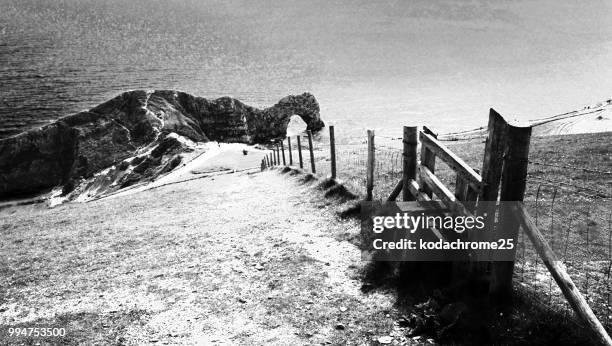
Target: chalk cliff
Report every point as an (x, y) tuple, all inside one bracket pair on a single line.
[(140, 134)]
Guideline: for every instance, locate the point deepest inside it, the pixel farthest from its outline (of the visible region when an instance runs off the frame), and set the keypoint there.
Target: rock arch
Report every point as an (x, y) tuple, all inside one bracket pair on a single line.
[(273, 121)]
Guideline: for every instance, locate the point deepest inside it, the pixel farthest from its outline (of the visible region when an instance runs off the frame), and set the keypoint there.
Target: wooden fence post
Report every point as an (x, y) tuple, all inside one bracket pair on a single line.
[(300, 151), (493, 158), (492, 164), (428, 159), (282, 145), (290, 153), (277, 150), (312, 163), (370, 166), (410, 161), (332, 148), (513, 184)]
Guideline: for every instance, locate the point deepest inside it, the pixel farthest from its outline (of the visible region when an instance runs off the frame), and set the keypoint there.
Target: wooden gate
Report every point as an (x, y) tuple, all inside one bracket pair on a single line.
[(503, 177)]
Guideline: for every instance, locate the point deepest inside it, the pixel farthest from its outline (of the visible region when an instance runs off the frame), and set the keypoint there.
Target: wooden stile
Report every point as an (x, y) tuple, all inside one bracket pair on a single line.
[(504, 168)]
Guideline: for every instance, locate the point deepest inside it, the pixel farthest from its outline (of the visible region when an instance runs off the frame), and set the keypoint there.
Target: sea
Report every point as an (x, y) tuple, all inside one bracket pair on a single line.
[(371, 64)]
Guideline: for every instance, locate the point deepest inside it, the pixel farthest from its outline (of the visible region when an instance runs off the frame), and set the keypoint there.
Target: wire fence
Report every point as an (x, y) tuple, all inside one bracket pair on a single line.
[(578, 226), (351, 153), (570, 205), (481, 132)]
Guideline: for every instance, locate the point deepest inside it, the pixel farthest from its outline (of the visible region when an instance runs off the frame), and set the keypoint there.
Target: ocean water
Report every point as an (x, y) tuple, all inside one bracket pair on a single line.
[(371, 64)]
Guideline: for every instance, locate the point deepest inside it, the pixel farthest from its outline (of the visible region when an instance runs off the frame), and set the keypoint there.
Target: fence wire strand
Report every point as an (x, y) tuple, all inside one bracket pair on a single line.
[(579, 230)]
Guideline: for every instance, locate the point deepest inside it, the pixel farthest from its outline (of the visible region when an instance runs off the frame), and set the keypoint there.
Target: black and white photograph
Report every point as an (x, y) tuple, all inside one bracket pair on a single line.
[(315, 172)]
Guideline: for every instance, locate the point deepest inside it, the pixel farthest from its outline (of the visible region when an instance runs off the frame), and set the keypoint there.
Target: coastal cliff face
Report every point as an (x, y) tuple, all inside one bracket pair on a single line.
[(138, 135)]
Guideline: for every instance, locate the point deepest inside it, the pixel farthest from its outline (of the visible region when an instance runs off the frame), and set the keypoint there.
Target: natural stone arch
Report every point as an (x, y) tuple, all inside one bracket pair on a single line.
[(273, 121)]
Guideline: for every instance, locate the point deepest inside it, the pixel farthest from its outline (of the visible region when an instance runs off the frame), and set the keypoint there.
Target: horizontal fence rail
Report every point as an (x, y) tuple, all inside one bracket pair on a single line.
[(453, 161)]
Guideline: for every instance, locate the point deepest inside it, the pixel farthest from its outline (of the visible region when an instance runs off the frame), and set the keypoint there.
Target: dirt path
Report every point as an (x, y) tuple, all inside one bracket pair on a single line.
[(240, 258)]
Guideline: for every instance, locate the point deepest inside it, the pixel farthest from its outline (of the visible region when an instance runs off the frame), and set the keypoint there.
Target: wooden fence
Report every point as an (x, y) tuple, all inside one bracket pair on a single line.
[(503, 177)]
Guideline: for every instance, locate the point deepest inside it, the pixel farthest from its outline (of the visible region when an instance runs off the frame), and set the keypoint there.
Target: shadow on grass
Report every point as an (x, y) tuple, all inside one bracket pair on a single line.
[(432, 307)]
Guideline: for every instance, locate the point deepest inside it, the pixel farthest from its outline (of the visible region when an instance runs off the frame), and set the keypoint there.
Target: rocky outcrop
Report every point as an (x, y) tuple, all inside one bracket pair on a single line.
[(150, 124), (146, 165)]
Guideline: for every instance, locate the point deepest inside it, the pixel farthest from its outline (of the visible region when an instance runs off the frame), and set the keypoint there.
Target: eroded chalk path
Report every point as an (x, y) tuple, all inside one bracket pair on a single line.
[(231, 259)]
